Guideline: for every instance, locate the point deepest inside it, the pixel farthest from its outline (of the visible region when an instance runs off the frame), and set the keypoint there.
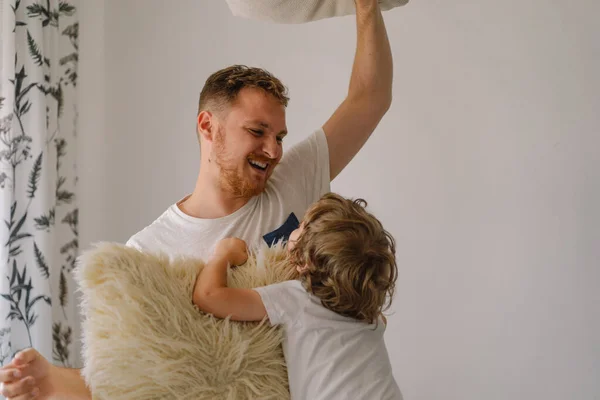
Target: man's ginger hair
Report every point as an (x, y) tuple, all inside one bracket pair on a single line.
[(222, 87), (350, 258)]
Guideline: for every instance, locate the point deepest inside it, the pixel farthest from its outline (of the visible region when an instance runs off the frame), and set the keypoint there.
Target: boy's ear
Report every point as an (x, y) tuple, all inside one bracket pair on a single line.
[(302, 269)]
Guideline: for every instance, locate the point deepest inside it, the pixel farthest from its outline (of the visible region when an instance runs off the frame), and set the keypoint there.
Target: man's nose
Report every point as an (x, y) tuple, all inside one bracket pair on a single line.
[(272, 147)]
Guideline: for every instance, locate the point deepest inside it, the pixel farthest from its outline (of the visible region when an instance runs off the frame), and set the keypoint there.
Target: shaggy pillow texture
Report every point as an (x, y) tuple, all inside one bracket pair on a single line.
[(144, 339)]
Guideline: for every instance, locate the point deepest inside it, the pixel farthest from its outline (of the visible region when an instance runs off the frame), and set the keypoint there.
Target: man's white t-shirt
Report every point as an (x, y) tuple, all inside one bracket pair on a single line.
[(328, 356), (300, 179)]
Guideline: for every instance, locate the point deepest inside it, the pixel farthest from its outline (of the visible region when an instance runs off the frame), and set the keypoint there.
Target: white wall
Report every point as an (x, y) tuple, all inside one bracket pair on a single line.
[(486, 169), (94, 216)]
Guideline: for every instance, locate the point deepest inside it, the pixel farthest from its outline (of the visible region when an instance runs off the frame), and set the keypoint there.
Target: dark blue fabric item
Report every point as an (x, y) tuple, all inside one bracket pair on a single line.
[(283, 232)]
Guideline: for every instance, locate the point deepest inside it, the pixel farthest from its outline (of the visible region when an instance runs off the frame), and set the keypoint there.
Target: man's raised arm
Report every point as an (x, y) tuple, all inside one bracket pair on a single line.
[(370, 92)]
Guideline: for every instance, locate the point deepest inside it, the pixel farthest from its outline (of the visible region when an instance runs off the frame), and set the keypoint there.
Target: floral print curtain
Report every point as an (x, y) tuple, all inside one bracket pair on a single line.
[(38, 177)]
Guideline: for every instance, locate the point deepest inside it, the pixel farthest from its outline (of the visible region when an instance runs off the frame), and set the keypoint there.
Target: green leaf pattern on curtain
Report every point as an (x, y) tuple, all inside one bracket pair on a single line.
[(38, 177)]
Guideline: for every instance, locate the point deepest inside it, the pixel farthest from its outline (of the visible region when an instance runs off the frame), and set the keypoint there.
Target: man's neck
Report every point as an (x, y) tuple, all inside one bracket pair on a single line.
[(208, 201)]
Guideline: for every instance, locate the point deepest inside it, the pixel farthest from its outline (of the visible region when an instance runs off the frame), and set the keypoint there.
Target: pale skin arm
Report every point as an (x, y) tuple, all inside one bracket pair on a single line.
[(370, 92), (211, 293)]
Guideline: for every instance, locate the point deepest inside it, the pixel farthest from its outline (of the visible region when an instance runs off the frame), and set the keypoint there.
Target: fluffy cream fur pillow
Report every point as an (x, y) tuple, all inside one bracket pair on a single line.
[(144, 339)]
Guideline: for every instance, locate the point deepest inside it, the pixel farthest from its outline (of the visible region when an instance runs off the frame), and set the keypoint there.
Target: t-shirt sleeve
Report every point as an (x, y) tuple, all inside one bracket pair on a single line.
[(281, 301), (140, 241), (305, 167), (132, 242)]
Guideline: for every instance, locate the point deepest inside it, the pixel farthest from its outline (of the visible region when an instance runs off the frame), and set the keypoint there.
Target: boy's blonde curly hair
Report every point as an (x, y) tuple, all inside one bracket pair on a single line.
[(350, 258)]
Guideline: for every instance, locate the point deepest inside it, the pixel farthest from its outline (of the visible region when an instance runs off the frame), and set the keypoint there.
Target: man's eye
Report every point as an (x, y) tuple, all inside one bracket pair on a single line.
[(256, 132), (280, 139)]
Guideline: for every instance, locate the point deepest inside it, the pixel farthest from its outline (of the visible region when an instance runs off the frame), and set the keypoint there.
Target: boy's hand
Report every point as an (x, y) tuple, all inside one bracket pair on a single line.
[(234, 250)]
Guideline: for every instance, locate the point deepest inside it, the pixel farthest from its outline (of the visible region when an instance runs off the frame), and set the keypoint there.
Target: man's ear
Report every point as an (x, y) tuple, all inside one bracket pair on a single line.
[(206, 125)]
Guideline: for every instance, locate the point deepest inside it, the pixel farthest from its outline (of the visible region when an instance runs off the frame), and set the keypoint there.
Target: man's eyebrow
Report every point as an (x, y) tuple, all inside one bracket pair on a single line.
[(265, 125)]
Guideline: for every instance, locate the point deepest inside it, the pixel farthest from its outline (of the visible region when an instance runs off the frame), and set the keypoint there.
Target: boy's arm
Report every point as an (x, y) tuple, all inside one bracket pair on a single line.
[(212, 295)]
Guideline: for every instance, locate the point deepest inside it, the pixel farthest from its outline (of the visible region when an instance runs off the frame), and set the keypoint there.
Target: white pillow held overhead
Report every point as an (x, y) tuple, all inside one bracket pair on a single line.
[(299, 11)]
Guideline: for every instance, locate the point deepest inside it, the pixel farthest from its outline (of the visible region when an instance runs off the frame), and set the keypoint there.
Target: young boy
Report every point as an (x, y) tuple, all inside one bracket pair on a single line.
[(332, 321)]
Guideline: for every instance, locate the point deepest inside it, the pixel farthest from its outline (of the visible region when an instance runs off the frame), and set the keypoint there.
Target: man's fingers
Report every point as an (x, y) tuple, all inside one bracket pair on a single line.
[(25, 357), (21, 389), (15, 384), (9, 375), (28, 396)]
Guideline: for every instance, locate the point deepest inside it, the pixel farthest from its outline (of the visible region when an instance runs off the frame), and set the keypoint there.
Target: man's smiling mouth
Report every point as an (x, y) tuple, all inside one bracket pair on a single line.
[(261, 166)]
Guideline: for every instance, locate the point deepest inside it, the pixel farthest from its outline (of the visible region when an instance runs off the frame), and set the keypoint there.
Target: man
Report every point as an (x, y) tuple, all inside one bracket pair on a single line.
[(242, 189)]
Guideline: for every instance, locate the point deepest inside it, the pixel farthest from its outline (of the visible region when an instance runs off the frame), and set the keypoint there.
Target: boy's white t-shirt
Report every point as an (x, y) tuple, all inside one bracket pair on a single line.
[(328, 356), (300, 179)]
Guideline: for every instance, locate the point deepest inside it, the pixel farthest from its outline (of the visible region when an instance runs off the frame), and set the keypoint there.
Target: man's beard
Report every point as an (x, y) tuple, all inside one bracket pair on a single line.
[(230, 178)]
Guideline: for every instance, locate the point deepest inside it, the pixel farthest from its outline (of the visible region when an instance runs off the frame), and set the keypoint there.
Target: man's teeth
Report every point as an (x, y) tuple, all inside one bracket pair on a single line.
[(258, 164)]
